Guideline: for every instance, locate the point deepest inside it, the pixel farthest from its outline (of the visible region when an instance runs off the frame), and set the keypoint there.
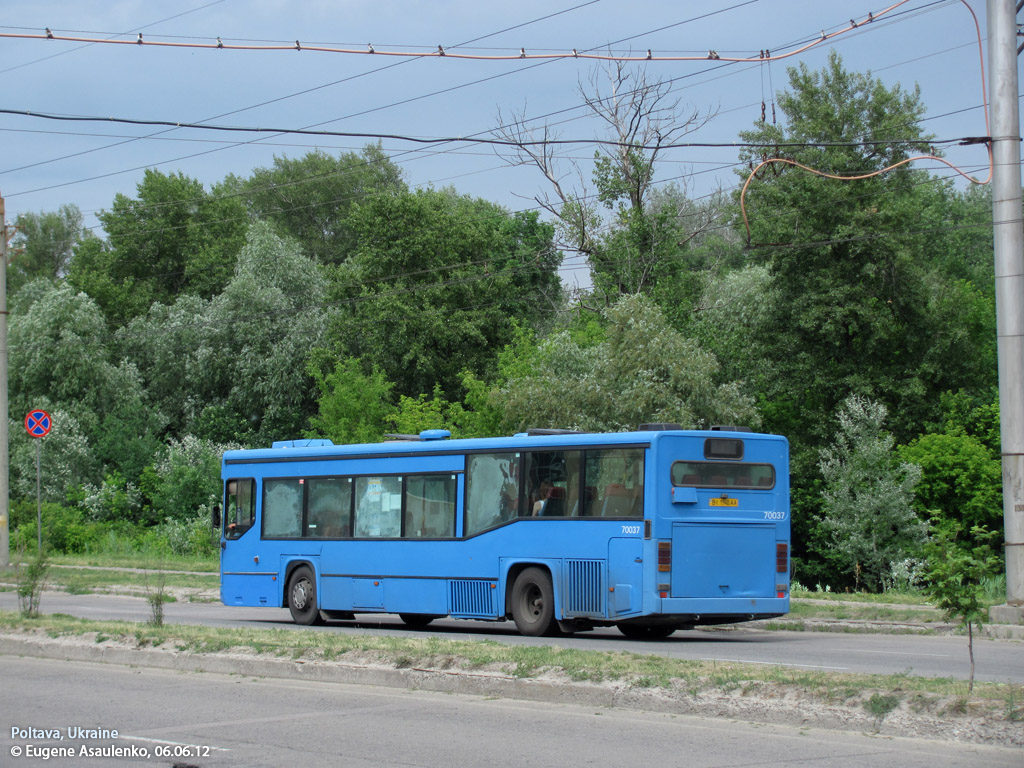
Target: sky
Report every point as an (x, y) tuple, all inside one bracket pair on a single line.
[(47, 163)]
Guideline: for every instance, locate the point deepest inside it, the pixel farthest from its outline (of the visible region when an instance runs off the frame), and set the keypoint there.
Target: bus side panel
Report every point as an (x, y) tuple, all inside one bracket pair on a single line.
[(253, 589), (396, 595)]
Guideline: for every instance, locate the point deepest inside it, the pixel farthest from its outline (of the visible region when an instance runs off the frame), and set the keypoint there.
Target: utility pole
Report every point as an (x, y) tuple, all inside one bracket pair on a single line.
[(5, 535), (1008, 238)]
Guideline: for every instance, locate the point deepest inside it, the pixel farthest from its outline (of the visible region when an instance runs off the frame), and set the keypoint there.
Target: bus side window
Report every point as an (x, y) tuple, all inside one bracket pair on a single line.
[(430, 506), (492, 490), (618, 477), (553, 483), (330, 507), (239, 507), (378, 507), (282, 508)]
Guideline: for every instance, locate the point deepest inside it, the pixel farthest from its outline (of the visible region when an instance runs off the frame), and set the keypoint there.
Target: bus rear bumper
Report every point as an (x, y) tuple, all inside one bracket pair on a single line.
[(705, 612)]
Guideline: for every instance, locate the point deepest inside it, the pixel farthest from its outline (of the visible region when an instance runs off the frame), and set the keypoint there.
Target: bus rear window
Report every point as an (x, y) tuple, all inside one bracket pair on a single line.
[(712, 474)]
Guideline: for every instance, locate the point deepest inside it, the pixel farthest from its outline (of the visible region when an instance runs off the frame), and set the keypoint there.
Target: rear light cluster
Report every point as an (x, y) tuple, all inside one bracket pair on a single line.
[(664, 556), (782, 557), (781, 565), (664, 565)]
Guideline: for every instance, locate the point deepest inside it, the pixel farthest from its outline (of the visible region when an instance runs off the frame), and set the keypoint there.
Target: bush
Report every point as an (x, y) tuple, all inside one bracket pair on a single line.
[(65, 529), (114, 499), (184, 480), (190, 538)]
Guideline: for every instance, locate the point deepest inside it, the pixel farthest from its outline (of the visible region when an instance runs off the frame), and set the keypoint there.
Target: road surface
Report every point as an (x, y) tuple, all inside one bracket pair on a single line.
[(188, 719)]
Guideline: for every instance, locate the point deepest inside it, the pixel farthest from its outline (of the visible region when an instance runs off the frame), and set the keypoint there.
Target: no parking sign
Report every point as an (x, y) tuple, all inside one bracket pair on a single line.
[(38, 423)]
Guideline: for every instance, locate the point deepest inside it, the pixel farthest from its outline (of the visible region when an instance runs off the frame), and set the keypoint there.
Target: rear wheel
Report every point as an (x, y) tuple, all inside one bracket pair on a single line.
[(533, 603), (302, 600), (417, 620), (646, 632)]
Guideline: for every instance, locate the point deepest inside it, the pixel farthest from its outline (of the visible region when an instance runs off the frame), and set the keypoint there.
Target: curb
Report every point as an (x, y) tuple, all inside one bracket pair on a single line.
[(990, 631)]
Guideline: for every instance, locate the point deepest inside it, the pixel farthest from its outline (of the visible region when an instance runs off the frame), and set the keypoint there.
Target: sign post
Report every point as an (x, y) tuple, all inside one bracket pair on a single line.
[(38, 424)]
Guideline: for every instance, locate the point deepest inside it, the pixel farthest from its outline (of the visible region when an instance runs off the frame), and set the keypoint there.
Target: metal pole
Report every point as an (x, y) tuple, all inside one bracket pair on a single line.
[(1008, 237), (39, 496), (5, 541)]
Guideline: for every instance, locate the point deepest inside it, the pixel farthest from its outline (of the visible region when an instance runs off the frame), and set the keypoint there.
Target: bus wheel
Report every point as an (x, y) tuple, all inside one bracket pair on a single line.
[(417, 620), (641, 632), (302, 597), (533, 603)]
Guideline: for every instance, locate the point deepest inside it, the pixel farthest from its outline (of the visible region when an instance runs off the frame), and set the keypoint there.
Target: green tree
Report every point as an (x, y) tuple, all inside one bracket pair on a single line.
[(864, 303), (310, 199), (867, 497), (957, 565), (173, 238), (415, 414), (642, 371), (44, 245), (61, 352), (184, 480), (66, 458), (354, 407), (233, 368), (631, 234), (436, 285), (961, 481)]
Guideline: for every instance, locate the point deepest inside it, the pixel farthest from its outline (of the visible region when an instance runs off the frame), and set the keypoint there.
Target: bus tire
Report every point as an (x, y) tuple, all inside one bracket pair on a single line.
[(647, 632), (533, 603), (417, 620), (302, 598)]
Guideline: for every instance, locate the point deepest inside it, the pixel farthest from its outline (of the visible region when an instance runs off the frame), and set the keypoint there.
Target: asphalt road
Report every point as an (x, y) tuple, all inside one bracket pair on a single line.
[(187, 719), (929, 656)]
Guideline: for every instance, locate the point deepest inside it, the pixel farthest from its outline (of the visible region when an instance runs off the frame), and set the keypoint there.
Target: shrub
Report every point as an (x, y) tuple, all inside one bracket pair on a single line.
[(184, 480)]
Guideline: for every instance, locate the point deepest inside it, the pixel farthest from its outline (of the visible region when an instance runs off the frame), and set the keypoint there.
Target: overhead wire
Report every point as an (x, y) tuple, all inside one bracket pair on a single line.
[(734, 143), (441, 52), (112, 35), (858, 177), (393, 104), (278, 99)]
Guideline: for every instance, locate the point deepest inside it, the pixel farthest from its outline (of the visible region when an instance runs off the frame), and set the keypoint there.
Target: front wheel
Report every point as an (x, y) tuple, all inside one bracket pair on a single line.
[(533, 603), (302, 597)]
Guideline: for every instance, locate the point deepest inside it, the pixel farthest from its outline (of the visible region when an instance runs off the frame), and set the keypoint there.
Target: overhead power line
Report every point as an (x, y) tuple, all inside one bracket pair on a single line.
[(486, 140), (440, 52)]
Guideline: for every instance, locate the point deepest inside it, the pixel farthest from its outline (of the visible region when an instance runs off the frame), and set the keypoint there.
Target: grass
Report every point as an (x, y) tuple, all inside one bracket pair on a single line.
[(891, 598), (138, 560), (876, 694), (862, 611), (133, 580)]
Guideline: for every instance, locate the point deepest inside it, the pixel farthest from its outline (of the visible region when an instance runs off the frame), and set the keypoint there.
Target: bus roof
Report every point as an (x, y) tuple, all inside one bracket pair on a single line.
[(436, 441)]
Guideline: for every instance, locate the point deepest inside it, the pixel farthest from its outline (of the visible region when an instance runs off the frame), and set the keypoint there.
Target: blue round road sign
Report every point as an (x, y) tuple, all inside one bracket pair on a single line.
[(38, 423)]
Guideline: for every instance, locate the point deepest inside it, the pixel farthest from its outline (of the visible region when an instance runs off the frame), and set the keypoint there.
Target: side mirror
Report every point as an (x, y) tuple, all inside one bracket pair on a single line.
[(215, 516)]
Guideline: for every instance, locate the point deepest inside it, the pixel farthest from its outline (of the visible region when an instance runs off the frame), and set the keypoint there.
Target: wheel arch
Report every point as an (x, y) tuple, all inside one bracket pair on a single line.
[(290, 567), (513, 568)]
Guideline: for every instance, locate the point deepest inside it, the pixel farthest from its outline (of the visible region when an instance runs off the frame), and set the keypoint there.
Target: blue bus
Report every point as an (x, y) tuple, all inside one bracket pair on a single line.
[(650, 531)]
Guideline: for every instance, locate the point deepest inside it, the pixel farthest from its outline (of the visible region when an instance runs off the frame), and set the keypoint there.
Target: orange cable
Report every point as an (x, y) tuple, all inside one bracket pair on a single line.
[(823, 174), (441, 53)]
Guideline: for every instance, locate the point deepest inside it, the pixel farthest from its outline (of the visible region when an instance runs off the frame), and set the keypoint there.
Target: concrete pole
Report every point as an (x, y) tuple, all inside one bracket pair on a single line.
[(1008, 236), (5, 538)]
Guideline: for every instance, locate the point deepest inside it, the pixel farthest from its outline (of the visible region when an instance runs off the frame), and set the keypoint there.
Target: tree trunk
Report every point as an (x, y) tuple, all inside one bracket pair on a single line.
[(970, 652)]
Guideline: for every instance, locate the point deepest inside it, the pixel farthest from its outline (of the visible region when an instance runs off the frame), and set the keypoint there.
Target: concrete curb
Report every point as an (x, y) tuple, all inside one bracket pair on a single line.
[(739, 705), (992, 631)]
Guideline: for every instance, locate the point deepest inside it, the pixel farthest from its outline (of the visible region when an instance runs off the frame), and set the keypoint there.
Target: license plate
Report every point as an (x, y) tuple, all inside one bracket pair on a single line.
[(724, 502)]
